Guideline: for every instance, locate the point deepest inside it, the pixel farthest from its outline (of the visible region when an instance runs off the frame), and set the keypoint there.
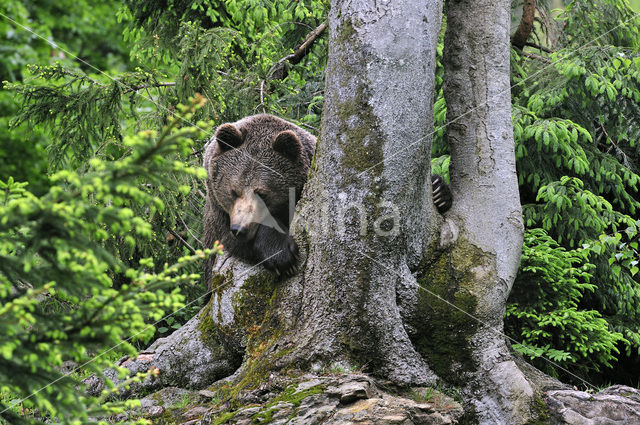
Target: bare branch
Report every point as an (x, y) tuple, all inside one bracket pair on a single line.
[(539, 47), (189, 230), (279, 70), (185, 243), (536, 57)]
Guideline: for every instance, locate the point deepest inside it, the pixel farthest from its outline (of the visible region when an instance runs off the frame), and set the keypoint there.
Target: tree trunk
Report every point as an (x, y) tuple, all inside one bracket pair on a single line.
[(486, 218), (366, 219), (520, 37), (386, 285)]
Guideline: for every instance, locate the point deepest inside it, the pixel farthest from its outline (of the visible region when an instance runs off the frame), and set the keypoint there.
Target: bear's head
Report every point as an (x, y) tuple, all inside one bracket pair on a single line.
[(253, 172)]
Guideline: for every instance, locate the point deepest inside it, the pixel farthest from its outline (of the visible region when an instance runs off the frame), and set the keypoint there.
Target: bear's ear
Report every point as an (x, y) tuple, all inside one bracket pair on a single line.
[(287, 144), (227, 137)]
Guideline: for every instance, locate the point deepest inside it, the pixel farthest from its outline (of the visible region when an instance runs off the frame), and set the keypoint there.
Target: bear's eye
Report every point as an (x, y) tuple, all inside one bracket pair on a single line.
[(261, 193), (234, 194)]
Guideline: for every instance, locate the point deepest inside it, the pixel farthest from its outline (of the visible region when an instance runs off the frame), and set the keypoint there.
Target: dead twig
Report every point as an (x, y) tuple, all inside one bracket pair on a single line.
[(539, 47), (185, 243), (280, 69)]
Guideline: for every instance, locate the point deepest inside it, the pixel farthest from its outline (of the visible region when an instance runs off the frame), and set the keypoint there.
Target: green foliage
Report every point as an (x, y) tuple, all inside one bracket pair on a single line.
[(576, 131), (57, 272), (82, 114), (545, 314), (226, 51), (88, 28), (76, 276), (83, 235)]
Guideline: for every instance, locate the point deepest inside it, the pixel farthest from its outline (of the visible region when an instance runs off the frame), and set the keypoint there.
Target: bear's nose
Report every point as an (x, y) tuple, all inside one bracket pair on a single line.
[(239, 232)]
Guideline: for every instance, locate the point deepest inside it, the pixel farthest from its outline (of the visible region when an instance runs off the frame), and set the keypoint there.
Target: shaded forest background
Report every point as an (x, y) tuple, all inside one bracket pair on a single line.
[(104, 114)]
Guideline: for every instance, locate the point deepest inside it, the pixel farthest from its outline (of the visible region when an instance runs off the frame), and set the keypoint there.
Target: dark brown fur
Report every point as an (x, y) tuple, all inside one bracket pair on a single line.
[(266, 155)]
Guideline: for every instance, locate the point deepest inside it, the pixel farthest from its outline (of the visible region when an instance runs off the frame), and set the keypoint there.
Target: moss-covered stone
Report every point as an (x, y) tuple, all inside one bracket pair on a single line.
[(295, 397), (223, 418), (230, 391)]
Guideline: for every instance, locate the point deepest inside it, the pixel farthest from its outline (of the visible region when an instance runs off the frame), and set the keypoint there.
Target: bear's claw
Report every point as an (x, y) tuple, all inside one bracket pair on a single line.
[(441, 194)]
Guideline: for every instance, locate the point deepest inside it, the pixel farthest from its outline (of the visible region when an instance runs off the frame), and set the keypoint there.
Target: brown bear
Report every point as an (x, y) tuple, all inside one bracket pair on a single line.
[(253, 165), (256, 167)]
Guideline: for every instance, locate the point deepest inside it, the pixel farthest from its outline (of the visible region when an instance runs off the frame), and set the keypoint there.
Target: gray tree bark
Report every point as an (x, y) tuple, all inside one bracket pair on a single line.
[(366, 219), (486, 216)]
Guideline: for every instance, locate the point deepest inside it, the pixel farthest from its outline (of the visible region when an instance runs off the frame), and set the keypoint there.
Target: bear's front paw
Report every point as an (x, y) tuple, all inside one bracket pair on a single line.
[(283, 262), (441, 194), (276, 251)]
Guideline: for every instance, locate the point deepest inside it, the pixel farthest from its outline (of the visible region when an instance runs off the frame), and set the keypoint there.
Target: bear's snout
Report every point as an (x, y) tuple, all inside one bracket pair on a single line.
[(247, 213), (240, 232)]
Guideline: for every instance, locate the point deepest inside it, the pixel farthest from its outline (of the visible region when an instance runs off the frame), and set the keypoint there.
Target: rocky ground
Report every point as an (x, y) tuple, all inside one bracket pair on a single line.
[(309, 399), (355, 398)]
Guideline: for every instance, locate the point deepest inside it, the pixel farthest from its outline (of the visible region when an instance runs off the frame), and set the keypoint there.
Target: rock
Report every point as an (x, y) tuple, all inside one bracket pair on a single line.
[(250, 411), (352, 391), (208, 362), (166, 397), (207, 394), (196, 412), (356, 387), (155, 411), (617, 405), (394, 419), (309, 400)]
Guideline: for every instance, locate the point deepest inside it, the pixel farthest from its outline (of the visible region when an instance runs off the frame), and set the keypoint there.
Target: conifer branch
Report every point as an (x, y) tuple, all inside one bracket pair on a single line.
[(132, 88)]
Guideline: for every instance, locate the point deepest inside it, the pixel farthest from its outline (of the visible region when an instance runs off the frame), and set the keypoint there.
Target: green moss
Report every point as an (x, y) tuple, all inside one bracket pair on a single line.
[(291, 395), (223, 418), (446, 304), (345, 32), (217, 283), (362, 147), (264, 417), (541, 410), (253, 300), (208, 329), (158, 398), (206, 326)]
